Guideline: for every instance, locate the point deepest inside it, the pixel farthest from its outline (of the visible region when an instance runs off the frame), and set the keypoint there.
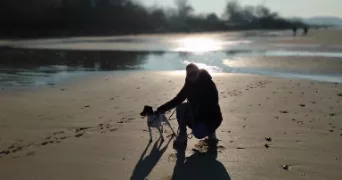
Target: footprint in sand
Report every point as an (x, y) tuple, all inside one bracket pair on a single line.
[(79, 135), (5, 152), (81, 129), (63, 138), (226, 131), (59, 132), (172, 157), (44, 143), (333, 114), (302, 105), (284, 112), (30, 153), (112, 130), (17, 149)]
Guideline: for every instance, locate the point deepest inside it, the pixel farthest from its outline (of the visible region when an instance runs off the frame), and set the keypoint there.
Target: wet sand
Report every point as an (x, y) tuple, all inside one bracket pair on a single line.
[(316, 37), (91, 129)]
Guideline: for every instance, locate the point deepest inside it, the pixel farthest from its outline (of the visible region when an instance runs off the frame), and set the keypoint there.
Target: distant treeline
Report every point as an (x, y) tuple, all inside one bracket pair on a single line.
[(57, 18)]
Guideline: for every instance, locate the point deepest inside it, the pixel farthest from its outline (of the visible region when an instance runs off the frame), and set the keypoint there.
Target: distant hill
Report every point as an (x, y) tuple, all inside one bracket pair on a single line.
[(323, 20)]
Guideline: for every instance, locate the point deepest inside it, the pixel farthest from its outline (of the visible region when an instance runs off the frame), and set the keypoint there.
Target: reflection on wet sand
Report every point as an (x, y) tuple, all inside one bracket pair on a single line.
[(34, 67), (27, 67)]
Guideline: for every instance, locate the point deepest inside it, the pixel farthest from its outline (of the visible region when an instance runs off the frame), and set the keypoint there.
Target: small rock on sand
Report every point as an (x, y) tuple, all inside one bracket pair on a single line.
[(286, 167), (269, 139), (267, 146), (302, 105), (339, 94), (284, 112)]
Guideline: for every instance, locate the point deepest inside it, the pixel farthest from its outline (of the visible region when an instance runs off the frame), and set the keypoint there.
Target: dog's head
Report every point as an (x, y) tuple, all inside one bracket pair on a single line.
[(148, 111)]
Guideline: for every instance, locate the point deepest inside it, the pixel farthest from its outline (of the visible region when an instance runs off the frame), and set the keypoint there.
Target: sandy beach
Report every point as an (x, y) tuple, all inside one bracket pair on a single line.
[(91, 129)]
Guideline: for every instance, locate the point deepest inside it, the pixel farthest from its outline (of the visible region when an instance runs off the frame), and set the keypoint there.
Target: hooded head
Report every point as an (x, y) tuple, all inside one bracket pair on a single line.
[(192, 72)]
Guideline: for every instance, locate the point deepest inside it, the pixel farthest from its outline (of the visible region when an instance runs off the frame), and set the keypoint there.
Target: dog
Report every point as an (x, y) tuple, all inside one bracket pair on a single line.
[(155, 121)]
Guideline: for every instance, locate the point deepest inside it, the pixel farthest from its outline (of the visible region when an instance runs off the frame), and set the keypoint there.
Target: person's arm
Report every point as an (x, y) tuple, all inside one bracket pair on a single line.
[(180, 97)]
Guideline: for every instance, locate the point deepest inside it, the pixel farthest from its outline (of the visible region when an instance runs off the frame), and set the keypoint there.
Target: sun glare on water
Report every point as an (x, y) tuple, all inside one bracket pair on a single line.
[(198, 44)]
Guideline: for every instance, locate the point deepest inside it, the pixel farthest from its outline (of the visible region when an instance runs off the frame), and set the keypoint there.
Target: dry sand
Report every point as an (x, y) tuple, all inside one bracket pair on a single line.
[(90, 129)]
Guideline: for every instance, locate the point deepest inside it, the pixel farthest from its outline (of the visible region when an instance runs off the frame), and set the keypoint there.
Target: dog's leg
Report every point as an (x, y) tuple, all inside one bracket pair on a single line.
[(149, 129), (160, 132)]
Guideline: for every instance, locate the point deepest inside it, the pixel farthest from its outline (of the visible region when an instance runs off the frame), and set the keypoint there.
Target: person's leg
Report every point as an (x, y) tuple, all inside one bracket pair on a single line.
[(212, 139), (182, 115), (213, 136)]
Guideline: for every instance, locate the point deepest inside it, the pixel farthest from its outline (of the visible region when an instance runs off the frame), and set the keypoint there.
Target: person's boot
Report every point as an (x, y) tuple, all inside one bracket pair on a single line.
[(212, 139)]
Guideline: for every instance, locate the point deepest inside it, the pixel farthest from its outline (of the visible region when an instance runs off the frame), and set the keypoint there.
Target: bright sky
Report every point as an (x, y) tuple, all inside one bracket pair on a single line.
[(286, 8)]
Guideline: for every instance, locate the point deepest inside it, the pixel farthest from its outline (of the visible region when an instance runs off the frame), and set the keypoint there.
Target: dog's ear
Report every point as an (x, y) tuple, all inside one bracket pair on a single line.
[(147, 110)]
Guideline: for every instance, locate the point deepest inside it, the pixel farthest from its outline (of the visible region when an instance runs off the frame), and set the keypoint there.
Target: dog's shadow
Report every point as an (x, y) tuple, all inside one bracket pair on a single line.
[(199, 166), (145, 165)]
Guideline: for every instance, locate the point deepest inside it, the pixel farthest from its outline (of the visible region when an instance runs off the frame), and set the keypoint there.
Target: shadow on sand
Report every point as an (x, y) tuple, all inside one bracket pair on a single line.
[(199, 166), (145, 165)]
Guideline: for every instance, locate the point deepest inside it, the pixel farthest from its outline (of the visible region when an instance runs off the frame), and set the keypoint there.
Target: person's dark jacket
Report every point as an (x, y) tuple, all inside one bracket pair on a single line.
[(203, 98)]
